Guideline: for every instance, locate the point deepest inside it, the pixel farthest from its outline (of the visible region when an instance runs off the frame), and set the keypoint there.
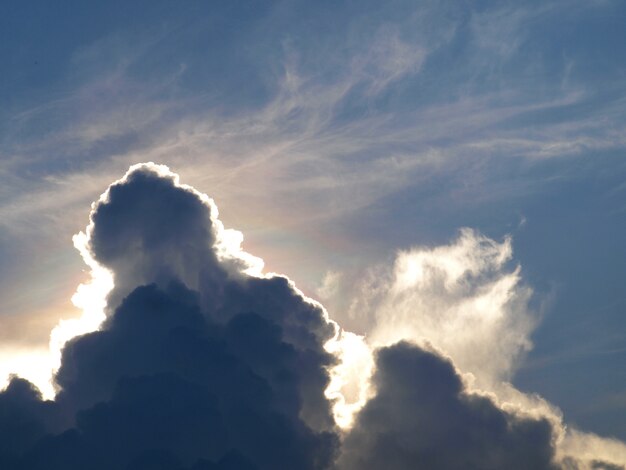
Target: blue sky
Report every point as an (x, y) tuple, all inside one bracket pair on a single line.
[(334, 134)]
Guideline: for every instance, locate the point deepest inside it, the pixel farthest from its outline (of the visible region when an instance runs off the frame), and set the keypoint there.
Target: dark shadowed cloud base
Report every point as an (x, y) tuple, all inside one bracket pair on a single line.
[(421, 418)]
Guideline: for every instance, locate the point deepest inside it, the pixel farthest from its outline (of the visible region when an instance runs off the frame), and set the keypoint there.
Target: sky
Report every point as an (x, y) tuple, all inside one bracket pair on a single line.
[(445, 173)]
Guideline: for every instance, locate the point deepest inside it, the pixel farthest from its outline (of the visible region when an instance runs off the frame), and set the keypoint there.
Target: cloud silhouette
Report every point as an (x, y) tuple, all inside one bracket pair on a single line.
[(150, 229), (161, 376), (204, 363), (198, 364), (421, 417)]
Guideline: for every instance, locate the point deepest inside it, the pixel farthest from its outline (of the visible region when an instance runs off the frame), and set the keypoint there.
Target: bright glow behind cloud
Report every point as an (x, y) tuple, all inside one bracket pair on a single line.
[(349, 385), (35, 365), (39, 365), (90, 298)]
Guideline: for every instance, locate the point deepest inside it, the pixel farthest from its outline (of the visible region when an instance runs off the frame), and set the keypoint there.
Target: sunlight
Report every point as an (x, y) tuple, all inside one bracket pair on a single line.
[(39, 365), (34, 365), (349, 387), (90, 297)]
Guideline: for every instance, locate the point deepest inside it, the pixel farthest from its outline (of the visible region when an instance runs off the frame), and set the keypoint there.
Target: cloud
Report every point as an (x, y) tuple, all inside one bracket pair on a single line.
[(204, 362), (421, 417), (197, 364), (463, 298), (24, 419), (467, 302), (162, 376)]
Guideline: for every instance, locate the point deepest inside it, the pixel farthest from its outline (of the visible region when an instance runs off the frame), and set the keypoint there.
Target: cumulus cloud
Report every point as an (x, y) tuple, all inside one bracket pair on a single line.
[(467, 301), (197, 365), (203, 362), (463, 298), (421, 417)]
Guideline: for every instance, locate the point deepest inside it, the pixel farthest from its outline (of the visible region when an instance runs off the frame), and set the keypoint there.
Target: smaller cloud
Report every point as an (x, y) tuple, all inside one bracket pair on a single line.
[(463, 298), (421, 417)]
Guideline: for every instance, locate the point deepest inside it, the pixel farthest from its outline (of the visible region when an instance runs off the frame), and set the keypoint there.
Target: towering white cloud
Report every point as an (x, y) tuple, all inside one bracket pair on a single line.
[(461, 298)]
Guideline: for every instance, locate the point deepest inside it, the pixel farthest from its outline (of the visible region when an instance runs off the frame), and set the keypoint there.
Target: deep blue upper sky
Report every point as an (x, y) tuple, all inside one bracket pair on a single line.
[(333, 134)]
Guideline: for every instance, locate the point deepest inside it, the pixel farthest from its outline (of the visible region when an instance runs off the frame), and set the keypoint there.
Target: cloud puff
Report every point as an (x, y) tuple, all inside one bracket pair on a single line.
[(421, 417), (460, 297), (204, 363)]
